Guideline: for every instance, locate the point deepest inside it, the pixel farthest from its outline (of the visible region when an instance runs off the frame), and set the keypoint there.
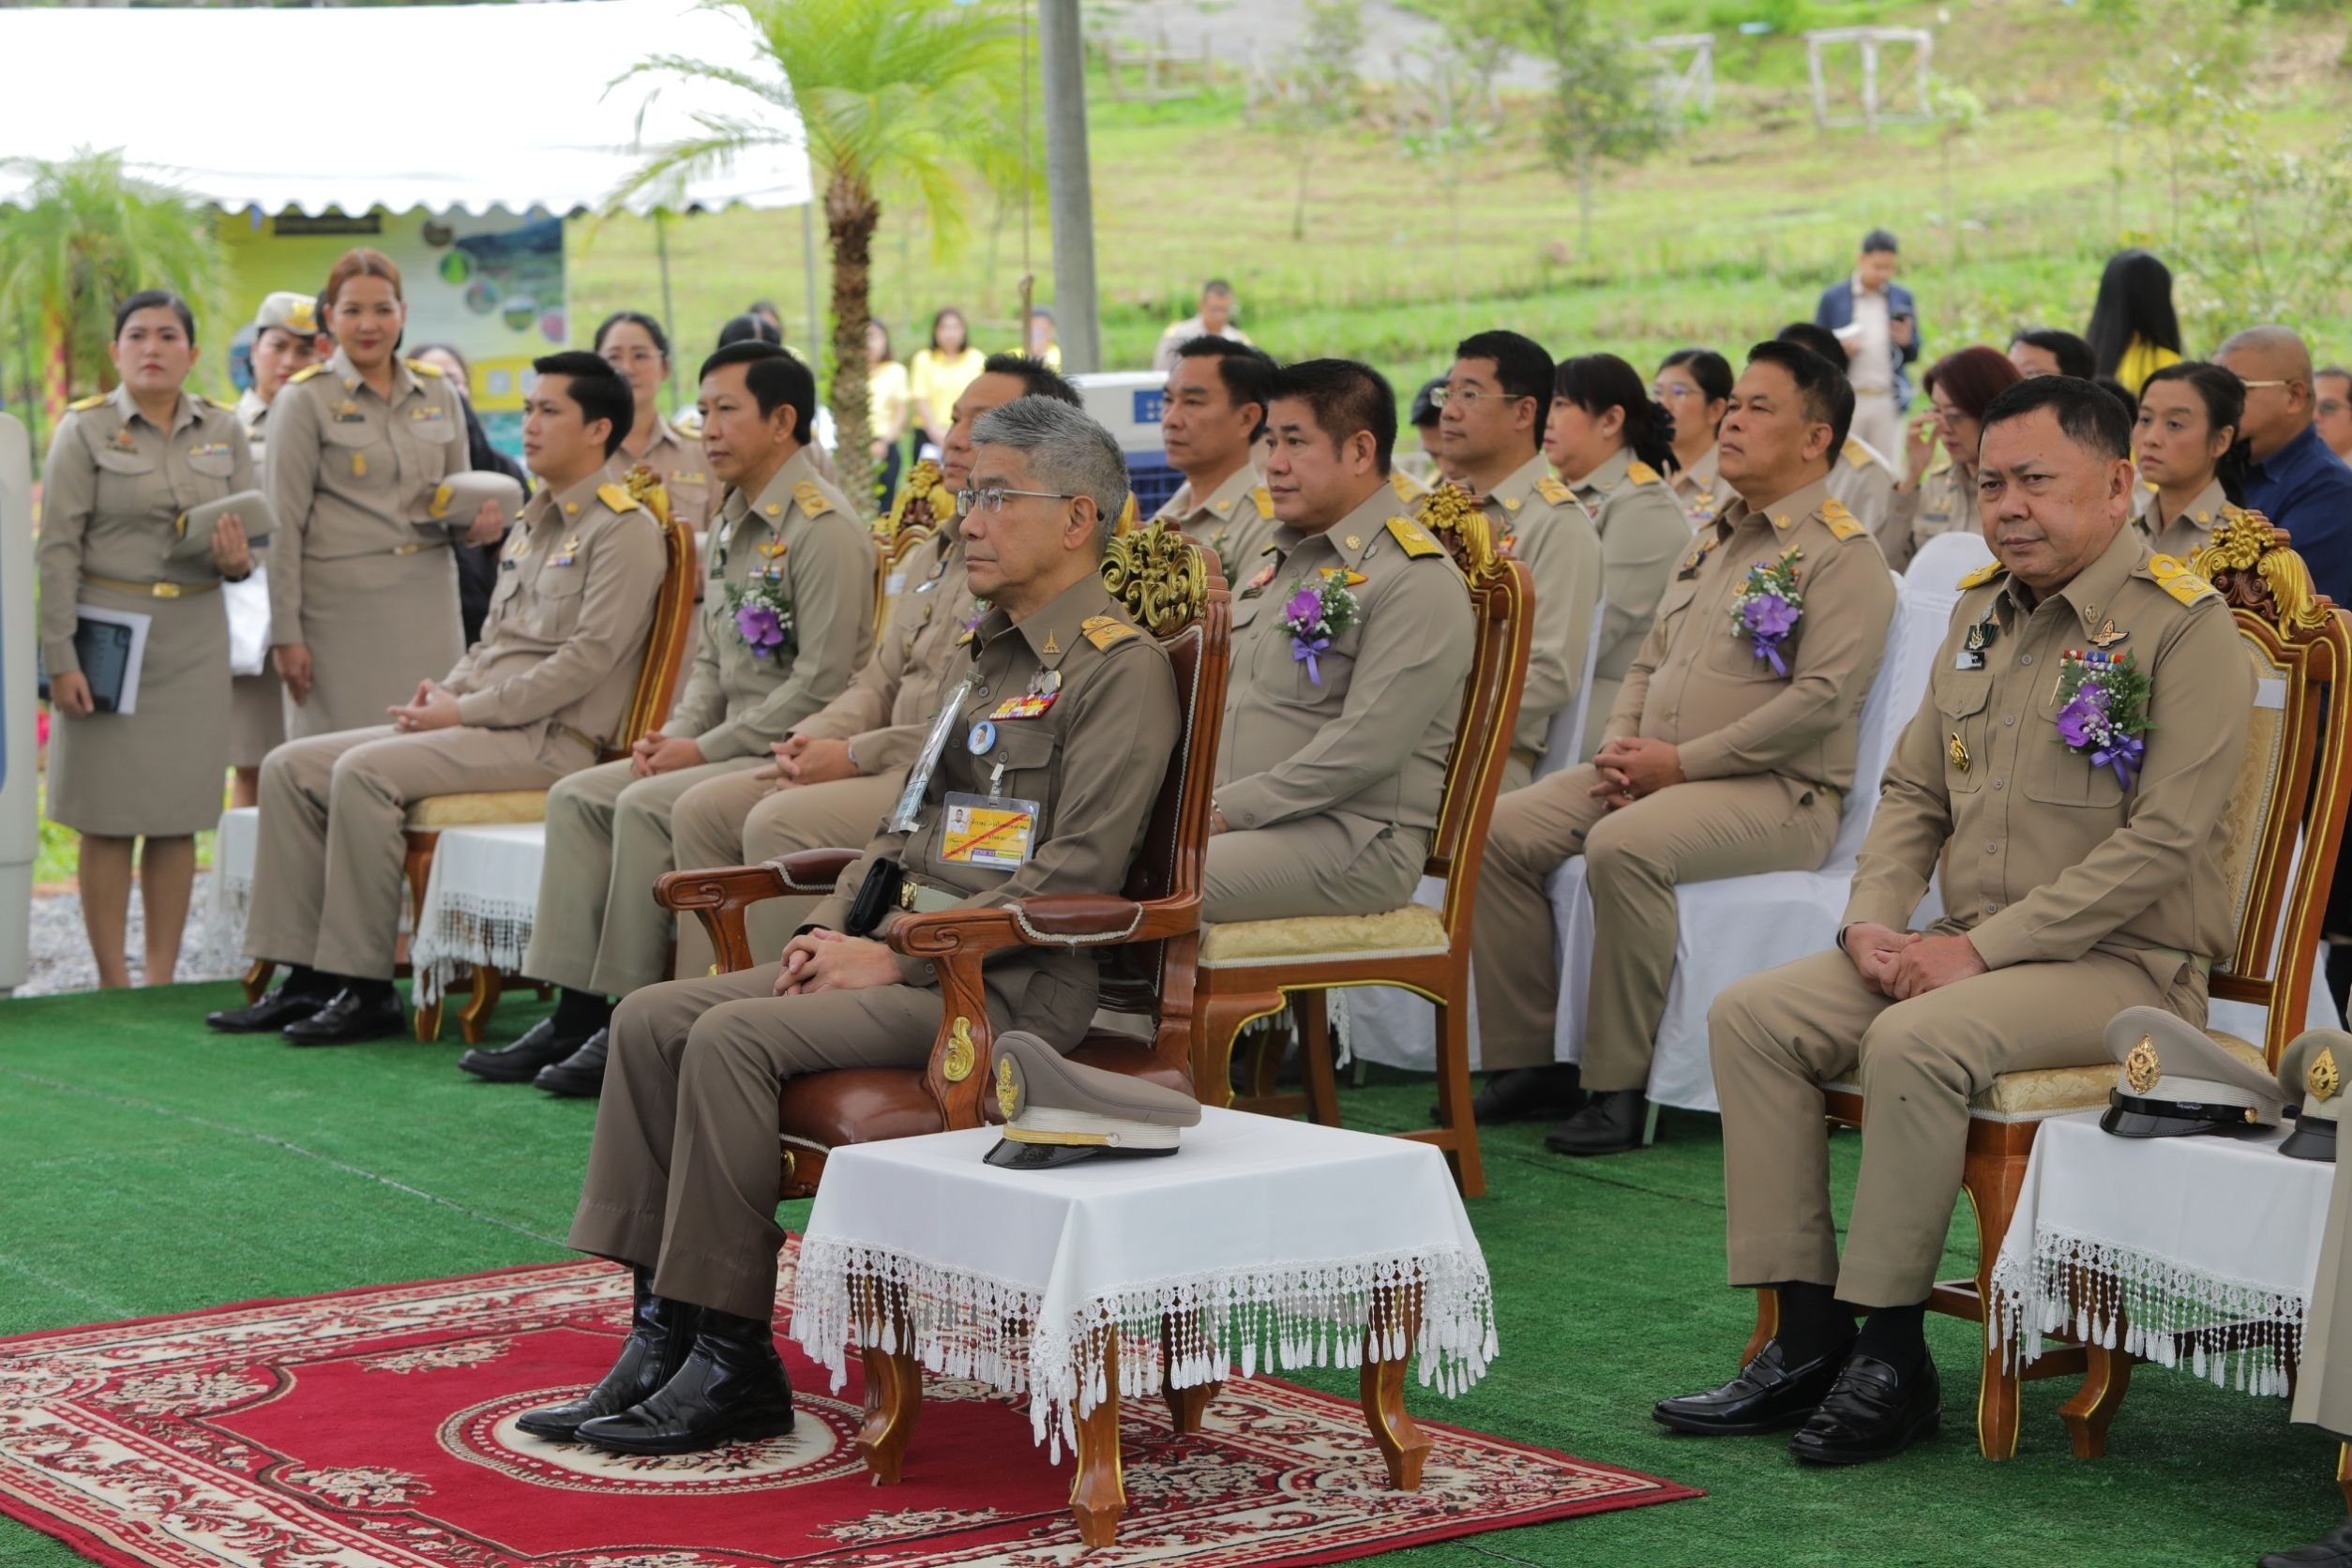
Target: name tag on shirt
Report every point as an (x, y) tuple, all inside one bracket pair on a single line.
[(994, 833)]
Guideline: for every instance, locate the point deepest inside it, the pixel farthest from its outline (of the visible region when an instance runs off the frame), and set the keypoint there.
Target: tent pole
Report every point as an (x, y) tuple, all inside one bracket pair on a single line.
[(669, 310)]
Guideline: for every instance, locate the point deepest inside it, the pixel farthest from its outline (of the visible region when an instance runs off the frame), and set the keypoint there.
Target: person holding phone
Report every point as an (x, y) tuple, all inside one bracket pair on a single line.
[(1874, 316), (122, 473)]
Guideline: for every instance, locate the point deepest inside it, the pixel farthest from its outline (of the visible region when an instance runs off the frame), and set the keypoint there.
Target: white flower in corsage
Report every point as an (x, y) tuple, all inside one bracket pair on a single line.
[(1768, 608)]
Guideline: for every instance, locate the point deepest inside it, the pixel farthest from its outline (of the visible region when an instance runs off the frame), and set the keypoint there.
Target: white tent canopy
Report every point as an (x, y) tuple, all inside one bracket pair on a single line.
[(463, 107)]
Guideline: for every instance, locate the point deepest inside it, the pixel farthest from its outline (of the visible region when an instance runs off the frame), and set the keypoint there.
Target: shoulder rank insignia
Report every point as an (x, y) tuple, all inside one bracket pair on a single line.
[(1639, 472), (1856, 454), (1988, 572), (1106, 631), (1841, 523), (83, 405), (1263, 499), (812, 500), (1554, 491), (306, 373), (1404, 485), (616, 497), (2178, 580), (1415, 543), (423, 367)]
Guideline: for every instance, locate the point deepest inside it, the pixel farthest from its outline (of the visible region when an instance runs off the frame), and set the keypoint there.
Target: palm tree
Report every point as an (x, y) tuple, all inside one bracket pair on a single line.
[(897, 98), (87, 236)]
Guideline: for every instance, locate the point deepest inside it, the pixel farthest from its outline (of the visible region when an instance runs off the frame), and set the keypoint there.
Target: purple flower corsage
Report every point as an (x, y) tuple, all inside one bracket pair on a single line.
[(763, 615), (1317, 611), (1768, 609), (2102, 712)]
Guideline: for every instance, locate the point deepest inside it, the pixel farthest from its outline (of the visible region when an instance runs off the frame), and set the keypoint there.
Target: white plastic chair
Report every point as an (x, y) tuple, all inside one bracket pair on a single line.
[(1945, 559)]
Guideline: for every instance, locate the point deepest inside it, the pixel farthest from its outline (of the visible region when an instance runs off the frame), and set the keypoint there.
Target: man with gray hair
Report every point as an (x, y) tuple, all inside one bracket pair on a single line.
[(2295, 480), (1038, 779)]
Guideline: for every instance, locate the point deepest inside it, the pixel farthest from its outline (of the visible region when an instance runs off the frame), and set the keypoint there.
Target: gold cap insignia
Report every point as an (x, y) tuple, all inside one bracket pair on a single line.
[(1008, 1089), (2142, 1068), (2323, 1077)]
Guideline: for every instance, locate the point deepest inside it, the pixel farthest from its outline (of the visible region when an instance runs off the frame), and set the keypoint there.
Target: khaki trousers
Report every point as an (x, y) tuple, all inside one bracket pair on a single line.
[(1778, 1036), (683, 1177), (1313, 866), (1877, 421), (608, 838), (327, 873), (734, 822), (2323, 1385), (1635, 857)]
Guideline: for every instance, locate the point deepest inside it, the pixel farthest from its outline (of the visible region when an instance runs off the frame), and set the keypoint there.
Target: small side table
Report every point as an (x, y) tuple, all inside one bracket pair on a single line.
[(1263, 1241)]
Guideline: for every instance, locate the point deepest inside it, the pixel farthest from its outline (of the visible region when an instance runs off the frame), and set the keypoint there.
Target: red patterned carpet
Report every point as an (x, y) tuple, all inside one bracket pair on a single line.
[(377, 1427)]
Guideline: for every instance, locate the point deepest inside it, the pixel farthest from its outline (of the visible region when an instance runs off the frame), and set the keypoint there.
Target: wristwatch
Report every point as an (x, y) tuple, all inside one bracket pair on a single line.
[(849, 748)]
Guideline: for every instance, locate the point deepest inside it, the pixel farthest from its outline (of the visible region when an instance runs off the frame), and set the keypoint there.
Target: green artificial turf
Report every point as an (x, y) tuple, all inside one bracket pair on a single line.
[(147, 1166)]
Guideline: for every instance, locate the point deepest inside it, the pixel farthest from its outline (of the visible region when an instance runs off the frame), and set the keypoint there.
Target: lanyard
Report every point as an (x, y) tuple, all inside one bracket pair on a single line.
[(904, 818)]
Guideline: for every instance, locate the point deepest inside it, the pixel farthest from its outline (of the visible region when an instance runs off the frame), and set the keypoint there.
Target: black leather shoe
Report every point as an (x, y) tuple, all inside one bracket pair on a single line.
[(1609, 1123), (1871, 1412), (578, 1076), (2331, 1550), (661, 1335), (731, 1389), (275, 1011), (1526, 1094), (540, 1046), (1766, 1397), (349, 1019)]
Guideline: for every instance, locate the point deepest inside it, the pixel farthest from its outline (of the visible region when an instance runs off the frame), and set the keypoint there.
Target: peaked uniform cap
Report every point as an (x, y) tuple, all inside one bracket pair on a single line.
[(1058, 1113), (2175, 1080)]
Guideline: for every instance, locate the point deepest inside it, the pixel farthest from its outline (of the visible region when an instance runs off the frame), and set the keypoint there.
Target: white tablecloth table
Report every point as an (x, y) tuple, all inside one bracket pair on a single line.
[(232, 884), (480, 900), (1262, 1243), (2154, 1246)]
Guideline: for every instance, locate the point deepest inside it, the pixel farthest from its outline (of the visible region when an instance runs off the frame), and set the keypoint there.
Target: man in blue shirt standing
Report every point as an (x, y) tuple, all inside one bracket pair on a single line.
[(1874, 317), (2295, 481)]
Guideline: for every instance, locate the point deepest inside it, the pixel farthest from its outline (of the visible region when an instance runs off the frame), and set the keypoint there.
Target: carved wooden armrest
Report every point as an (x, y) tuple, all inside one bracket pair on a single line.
[(718, 896)]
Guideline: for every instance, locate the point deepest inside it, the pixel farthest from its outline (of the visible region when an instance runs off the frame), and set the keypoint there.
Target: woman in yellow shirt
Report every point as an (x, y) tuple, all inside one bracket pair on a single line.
[(887, 405), (940, 372), (2133, 331)]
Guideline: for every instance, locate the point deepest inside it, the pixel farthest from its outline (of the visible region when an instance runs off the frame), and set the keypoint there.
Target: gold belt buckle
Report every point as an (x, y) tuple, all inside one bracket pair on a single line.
[(165, 590), (906, 895), (409, 548)]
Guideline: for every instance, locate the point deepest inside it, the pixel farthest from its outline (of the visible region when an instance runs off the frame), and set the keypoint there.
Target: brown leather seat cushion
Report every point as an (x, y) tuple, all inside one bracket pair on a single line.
[(867, 1105)]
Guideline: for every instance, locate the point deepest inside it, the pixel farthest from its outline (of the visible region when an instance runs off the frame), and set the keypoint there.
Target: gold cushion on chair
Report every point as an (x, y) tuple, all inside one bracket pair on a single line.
[(2055, 1091), (1412, 931), (487, 808)]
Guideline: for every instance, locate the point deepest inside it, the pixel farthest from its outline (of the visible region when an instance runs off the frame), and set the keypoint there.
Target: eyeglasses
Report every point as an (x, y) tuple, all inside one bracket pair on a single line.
[(990, 498), (1665, 390), (1468, 396), (2250, 385)]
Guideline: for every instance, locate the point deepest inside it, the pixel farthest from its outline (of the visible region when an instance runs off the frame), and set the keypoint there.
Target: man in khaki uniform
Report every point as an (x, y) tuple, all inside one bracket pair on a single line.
[(2078, 883), (1333, 765), (1214, 410), (834, 778), (1491, 411), (543, 691), (1863, 477), (1065, 716), (1727, 755), (783, 537)]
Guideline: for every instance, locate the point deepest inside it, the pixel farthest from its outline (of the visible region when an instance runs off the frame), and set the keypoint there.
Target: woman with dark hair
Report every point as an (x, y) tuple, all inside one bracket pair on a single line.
[(1614, 446), (363, 590), (1694, 386), (1938, 491), (2133, 328), (2046, 351), (123, 470), (633, 344), (2188, 447), (938, 375)]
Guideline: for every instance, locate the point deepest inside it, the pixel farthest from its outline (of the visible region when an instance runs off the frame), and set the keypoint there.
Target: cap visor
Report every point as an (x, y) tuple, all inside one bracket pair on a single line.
[(1040, 1156), (2312, 1139), (2141, 1123)]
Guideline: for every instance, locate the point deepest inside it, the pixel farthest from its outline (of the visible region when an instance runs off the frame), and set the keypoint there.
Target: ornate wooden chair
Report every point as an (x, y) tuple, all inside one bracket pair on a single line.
[(925, 506), (1248, 968), (2286, 823), (1146, 939)]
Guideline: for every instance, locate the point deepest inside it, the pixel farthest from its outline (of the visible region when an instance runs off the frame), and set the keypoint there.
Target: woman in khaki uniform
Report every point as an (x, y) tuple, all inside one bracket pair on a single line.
[(2190, 454), (121, 472), (1937, 493), (363, 590), (1694, 386), (634, 344), (285, 343)]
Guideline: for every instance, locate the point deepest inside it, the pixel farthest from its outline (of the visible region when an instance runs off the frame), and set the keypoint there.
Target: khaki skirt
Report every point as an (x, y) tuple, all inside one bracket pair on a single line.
[(375, 625), (257, 717), (159, 771)]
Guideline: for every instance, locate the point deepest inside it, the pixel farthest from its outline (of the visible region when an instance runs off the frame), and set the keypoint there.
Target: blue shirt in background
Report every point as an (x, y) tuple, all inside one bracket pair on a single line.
[(2306, 490)]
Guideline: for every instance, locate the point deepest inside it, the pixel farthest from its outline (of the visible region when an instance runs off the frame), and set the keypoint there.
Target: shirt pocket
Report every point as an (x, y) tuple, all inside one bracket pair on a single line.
[(1030, 752), (555, 613), (1294, 681), (2057, 774), (1961, 704)]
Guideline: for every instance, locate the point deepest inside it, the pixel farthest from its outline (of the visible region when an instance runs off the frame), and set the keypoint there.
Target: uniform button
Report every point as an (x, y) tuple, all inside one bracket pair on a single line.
[(2001, 783), (2024, 658), (1991, 847), (2009, 719), (1991, 908), (980, 691)]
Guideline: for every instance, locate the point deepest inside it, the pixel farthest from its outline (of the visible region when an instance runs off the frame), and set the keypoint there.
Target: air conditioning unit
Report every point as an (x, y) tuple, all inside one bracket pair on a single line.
[(1127, 403)]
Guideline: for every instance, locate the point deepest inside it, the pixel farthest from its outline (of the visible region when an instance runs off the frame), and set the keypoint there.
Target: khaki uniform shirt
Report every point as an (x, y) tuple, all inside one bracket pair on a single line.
[(802, 536), (1236, 520), (251, 412), (1703, 491), (351, 474), (1942, 500), (2045, 857), (676, 461), (1864, 480), (112, 494), (1368, 744), (1093, 763), (1698, 682), (1644, 532), (887, 707), (564, 638), (1548, 528), (2189, 532)]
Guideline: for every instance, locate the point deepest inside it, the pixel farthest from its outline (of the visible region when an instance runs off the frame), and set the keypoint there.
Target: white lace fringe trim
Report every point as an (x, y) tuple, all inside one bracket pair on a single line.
[(468, 930), (970, 1325), (2233, 1334)]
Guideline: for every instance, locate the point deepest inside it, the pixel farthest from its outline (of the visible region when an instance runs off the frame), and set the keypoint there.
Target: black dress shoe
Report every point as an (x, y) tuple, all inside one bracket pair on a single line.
[(1526, 1094), (1767, 1395), (2331, 1550), (349, 1019), (731, 1389), (661, 1333), (1872, 1412), (540, 1046), (1611, 1124), (580, 1075), (274, 1012)]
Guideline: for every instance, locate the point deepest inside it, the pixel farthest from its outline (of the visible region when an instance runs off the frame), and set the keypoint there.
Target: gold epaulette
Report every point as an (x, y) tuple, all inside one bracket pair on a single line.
[(1414, 542), (422, 367), (1639, 472), (1857, 455), (2175, 578), (1263, 499), (1130, 516), (1841, 523), (617, 497), (1404, 485), (812, 500), (83, 405), (1554, 491), (1989, 572), (305, 374), (1106, 631)]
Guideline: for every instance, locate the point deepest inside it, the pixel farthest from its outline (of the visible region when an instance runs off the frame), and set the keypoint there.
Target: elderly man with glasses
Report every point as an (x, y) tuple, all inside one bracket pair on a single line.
[(1056, 730), (2295, 481)]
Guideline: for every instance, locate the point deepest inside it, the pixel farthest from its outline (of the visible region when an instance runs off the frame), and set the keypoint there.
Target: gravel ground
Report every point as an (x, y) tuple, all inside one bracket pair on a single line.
[(61, 953)]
